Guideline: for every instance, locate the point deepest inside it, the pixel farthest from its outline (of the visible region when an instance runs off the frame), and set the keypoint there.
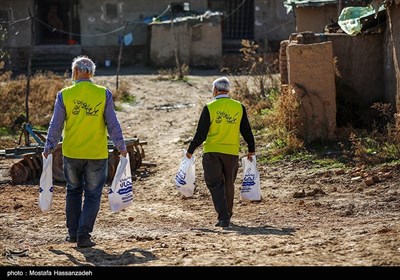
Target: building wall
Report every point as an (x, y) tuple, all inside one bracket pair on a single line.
[(163, 44), (360, 62), (136, 13), (271, 21), (272, 24), (197, 43), (18, 39), (94, 21), (315, 18), (19, 34), (206, 44)]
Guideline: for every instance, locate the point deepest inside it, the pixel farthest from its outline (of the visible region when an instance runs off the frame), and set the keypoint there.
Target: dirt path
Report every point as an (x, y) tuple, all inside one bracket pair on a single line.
[(337, 220)]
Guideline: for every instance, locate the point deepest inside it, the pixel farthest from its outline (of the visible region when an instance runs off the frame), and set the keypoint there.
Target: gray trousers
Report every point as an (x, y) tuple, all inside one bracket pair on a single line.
[(220, 171)]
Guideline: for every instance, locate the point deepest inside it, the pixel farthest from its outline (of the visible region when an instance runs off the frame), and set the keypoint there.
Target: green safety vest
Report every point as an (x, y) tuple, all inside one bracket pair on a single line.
[(85, 132), (223, 135)]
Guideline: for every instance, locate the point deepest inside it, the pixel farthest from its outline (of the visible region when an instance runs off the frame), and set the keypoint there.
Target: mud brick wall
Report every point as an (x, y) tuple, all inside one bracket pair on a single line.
[(311, 71)]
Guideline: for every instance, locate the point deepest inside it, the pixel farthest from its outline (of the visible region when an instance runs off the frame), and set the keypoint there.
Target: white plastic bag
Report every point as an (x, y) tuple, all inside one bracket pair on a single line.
[(120, 194), (46, 184), (251, 189), (186, 175)]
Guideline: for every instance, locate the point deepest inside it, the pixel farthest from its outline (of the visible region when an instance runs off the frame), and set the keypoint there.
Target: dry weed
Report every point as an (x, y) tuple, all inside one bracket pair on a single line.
[(44, 87)]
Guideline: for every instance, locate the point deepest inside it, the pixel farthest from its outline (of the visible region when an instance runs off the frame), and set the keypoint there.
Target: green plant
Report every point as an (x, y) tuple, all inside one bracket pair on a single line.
[(4, 131), (379, 145), (127, 98)]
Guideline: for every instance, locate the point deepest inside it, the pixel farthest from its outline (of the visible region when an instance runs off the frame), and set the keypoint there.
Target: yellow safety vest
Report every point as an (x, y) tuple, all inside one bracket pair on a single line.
[(85, 132), (223, 135)]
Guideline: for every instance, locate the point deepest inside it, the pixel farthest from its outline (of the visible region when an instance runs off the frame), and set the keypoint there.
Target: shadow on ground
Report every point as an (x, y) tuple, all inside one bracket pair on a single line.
[(98, 257)]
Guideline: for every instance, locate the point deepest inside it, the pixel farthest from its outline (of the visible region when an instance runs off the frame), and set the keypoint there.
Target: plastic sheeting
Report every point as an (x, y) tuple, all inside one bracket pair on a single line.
[(350, 18)]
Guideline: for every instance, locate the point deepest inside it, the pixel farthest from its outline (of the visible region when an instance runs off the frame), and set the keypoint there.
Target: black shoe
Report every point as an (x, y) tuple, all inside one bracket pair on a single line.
[(71, 239), (85, 242), (223, 223)]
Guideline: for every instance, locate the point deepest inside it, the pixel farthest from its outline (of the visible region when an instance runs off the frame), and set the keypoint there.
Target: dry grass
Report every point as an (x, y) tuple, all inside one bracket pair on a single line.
[(174, 74), (272, 112), (44, 87), (43, 90), (284, 121)]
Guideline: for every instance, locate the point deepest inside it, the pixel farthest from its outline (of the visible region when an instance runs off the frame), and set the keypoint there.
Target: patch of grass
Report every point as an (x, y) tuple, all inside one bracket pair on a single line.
[(5, 131), (122, 95), (329, 162), (41, 127), (264, 160), (130, 99)]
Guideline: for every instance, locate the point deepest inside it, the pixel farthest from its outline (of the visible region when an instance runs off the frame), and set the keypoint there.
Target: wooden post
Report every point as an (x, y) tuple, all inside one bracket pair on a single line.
[(340, 7), (29, 68), (176, 46), (28, 81), (120, 55)]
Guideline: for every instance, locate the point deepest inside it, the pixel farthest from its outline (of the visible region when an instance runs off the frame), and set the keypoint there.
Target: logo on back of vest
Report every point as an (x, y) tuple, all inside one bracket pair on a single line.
[(229, 119), (82, 105)]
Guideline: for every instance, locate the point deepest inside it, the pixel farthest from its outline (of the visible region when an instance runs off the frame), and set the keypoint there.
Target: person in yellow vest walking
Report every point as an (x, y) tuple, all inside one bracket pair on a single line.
[(220, 125), (84, 113)]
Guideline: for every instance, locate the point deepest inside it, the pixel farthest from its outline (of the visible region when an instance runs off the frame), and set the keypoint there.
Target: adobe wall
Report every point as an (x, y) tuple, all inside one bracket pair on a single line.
[(198, 43), (311, 71), (315, 18), (360, 62), (206, 44)]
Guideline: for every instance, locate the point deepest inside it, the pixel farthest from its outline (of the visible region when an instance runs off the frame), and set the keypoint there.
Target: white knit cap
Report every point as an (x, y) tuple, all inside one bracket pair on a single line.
[(221, 84), (84, 64)]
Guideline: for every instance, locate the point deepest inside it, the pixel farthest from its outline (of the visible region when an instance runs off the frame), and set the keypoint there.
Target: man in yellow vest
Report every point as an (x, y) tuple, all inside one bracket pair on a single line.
[(83, 114), (220, 125)]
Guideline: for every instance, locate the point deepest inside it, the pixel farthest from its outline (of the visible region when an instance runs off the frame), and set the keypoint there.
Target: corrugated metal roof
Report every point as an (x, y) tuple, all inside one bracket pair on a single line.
[(289, 4), (313, 3), (309, 3)]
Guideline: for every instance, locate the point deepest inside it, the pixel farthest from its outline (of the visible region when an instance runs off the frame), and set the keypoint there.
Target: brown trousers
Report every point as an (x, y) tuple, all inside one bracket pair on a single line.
[(220, 171)]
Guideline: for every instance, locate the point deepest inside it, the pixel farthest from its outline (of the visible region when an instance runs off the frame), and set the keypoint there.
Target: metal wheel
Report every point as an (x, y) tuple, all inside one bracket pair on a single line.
[(58, 165), (19, 173), (138, 158), (113, 160), (29, 167), (135, 156)]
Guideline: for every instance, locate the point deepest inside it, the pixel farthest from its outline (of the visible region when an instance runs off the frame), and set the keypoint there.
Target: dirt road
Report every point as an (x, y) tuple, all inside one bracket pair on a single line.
[(309, 215)]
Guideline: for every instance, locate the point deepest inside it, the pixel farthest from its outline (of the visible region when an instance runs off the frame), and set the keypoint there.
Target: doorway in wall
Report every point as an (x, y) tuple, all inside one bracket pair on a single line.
[(237, 22), (58, 22)]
